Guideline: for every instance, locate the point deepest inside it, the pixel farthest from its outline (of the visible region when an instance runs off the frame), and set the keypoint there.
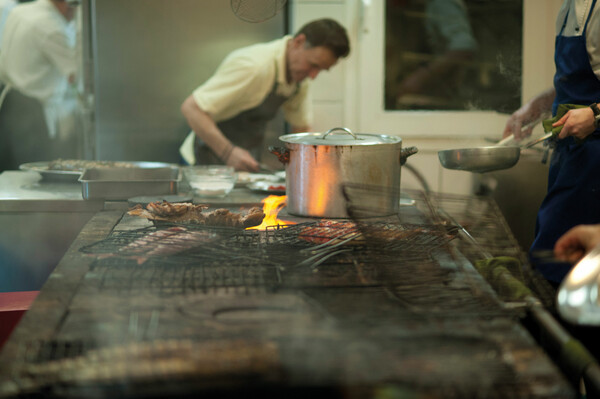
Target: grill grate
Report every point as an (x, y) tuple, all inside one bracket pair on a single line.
[(170, 260), (400, 312)]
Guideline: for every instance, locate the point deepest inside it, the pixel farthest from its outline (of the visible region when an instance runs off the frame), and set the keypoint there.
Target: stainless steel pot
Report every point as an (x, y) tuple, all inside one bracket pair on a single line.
[(319, 165)]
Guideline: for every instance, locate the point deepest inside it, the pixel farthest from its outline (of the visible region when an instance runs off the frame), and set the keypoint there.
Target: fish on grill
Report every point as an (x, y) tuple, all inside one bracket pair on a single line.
[(197, 214), (333, 231), (166, 242), (328, 230)]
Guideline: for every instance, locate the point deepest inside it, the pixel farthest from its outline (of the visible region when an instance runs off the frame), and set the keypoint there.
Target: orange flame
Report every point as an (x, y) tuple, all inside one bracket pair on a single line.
[(272, 206)]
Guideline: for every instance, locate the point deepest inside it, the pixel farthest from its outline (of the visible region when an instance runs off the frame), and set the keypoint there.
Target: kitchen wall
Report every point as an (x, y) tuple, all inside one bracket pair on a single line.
[(337, 93)]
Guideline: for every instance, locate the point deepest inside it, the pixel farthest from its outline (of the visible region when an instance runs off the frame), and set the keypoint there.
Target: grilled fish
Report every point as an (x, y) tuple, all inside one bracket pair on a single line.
[(190, 213)]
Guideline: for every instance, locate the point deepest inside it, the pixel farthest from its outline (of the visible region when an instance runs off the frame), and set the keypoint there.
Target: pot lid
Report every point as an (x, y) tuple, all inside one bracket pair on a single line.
[(339, 136)]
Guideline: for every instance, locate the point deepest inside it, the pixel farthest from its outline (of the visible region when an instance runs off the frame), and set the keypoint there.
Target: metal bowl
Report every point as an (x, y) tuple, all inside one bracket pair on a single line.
[(480, 159)]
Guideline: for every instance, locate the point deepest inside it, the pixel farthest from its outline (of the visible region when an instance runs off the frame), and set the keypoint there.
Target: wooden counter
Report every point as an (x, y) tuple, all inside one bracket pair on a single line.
[(252, 322)]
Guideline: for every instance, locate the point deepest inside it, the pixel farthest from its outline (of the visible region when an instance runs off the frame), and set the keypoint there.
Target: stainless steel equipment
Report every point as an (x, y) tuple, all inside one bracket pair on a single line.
[(484, 159), (124, 183), (317, 165), (143, 58), (578, 293)]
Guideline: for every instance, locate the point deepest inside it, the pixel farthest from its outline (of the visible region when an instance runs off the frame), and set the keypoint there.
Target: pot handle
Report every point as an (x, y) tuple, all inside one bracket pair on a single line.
[(345, 129), (407, 152), (283, 154)]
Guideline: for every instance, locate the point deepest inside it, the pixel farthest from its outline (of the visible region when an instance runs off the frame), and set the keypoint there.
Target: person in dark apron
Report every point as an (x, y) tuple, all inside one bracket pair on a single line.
[(245, 130), (573, 195), (229, 113)]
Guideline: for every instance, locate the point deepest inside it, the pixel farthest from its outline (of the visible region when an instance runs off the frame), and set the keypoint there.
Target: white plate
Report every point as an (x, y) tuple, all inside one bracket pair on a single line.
[(267, 187), (247, 177)]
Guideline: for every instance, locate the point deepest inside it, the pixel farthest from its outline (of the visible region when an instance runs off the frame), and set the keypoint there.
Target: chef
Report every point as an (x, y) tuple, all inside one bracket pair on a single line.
[(228, 114), (39, 59), (573, 195)]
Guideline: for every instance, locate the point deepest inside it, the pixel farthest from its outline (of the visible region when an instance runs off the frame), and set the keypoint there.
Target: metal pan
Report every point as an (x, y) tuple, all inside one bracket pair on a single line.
[(484, 159)]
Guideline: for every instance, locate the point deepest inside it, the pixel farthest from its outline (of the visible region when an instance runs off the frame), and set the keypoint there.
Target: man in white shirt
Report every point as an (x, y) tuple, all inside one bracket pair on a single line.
[(229, 112), (38, 59)]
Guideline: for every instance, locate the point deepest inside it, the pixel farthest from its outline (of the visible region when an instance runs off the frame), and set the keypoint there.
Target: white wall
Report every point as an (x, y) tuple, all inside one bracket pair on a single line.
[(339, 93)]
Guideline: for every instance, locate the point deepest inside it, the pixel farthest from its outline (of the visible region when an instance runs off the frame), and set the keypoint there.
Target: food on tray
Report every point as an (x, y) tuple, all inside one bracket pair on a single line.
[(162, 243), (81, 164), (190, 213), (277, 188)]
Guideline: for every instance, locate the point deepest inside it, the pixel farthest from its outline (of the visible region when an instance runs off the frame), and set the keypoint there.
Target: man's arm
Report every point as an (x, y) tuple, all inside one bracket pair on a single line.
[(206, 129)]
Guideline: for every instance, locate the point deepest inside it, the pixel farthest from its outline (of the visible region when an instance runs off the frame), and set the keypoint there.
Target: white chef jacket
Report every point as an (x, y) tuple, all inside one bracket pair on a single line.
[(37, 56), (246, 77), (578, 12), (243, 81)]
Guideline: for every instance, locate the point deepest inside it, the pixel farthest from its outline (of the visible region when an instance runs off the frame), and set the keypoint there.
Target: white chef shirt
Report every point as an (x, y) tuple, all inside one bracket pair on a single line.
[(578, 13), (246, 77), (38, 54)]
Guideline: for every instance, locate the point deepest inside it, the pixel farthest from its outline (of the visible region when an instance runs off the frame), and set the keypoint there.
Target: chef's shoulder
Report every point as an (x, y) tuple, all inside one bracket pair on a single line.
[(257, 58), (38, 18)]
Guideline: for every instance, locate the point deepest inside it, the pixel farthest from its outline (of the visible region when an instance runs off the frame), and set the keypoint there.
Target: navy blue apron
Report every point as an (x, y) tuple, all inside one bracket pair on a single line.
[(573, 195), (247, 129)]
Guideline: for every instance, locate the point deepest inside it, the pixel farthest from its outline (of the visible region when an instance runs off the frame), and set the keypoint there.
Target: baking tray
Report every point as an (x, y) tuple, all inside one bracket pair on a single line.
[(125, 183), (73, 175)]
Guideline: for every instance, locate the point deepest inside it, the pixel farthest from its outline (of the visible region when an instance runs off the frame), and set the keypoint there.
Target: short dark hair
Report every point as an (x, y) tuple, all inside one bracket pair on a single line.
[(328, 33)]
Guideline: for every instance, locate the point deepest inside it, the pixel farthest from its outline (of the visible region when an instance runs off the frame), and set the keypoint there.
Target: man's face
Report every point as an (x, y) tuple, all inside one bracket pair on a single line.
[(304, 61)]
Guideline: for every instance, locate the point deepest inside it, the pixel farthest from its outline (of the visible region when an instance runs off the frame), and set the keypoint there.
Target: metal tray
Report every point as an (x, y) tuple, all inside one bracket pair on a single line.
[(72, 175), (125, 183)]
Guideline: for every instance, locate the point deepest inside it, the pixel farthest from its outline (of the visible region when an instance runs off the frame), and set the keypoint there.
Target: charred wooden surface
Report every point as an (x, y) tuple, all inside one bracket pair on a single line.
[(378, 324)]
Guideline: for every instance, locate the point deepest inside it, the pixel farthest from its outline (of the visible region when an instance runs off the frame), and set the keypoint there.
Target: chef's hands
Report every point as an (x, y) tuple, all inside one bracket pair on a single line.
[(578, 123), (241, 160), (528, 113), (577, 242), (517, 120)]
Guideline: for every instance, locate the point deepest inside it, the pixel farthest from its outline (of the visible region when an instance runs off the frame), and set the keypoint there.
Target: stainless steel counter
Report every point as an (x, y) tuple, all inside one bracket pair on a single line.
[(28, 192), (39, 219)]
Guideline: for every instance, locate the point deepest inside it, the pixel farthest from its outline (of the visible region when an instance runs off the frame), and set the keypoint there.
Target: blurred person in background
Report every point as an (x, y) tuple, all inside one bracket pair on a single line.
[(38, 61), (573, 182), (228, 114), (453, 46)]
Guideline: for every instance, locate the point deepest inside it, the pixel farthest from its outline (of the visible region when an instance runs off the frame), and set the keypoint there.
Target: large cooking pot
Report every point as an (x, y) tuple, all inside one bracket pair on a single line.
[(318, 166)]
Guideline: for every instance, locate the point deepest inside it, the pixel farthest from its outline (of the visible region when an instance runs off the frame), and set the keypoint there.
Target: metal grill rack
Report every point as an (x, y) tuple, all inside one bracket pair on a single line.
[(376, 300)]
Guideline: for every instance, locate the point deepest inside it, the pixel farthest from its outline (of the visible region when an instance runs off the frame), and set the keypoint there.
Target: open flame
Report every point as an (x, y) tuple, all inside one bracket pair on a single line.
[(272, 206)]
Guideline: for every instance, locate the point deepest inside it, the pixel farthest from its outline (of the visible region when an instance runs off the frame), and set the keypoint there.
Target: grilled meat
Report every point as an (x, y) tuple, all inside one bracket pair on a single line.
[(190, 213), (328, 230), (162, 243), (333, 231)]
